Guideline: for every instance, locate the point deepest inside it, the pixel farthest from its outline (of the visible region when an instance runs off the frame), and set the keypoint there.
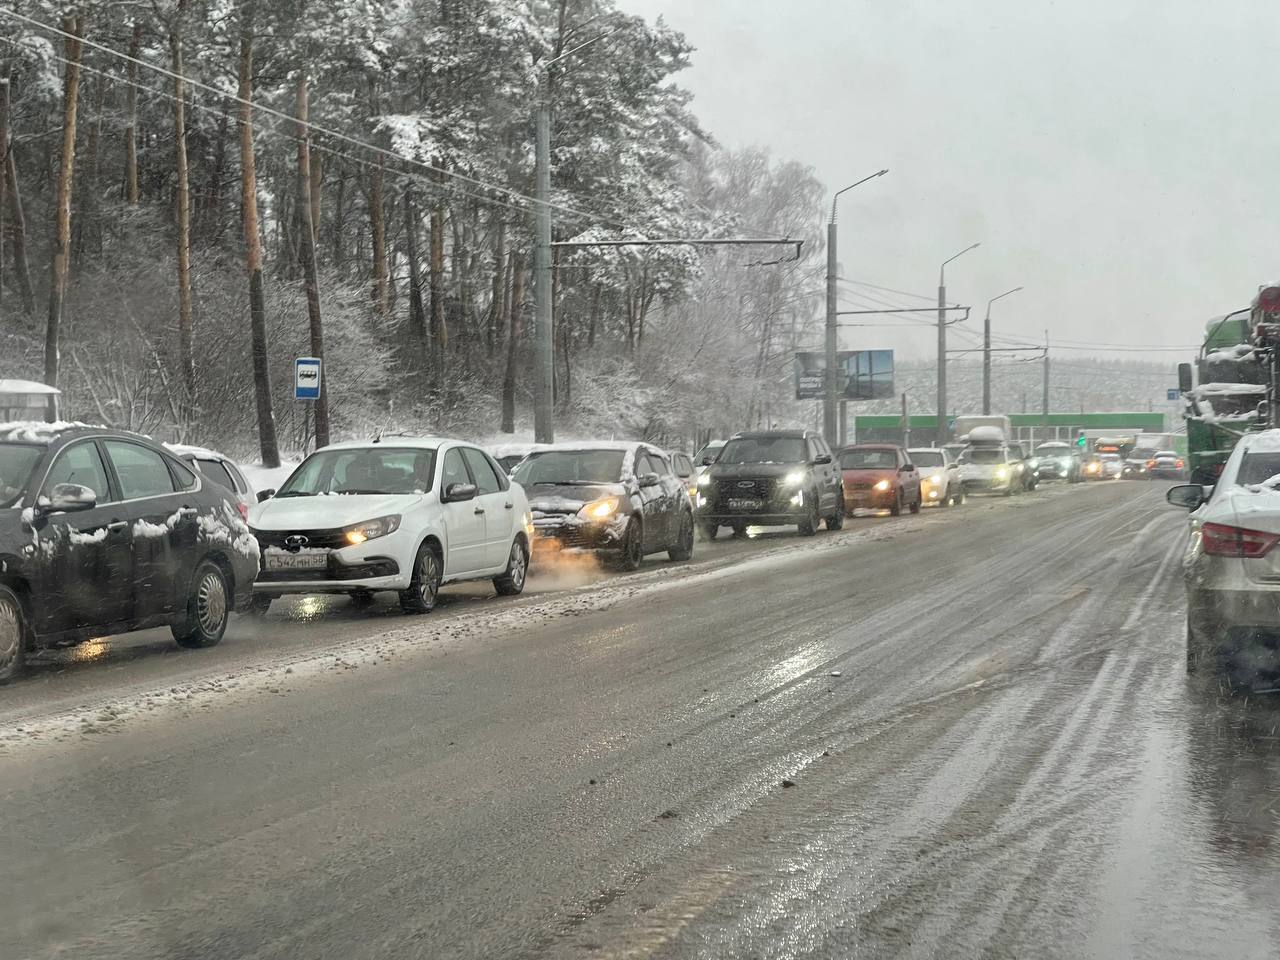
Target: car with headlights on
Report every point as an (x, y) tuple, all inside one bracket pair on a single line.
[(771, 478), (622, 501), (1111, 466), (990, 468), (880, 476), (1056, 460), (939, 476), (407, 514), (1231, 564), (103, 532)]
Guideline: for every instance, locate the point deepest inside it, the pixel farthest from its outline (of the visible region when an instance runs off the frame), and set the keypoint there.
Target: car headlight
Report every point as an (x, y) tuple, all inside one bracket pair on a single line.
[(1033, 464), (1002, 473), (704, 480), (371, 529), (936, 479), (793, 479), (882, 485), (601, 509)]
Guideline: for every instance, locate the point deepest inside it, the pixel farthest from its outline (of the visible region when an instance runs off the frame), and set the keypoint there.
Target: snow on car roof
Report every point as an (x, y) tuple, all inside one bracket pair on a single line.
[(570, 445), (37, 431), (1055, 445), (1265, 441), (1167, 453), (190, 450), (500, 450), (388, 440)]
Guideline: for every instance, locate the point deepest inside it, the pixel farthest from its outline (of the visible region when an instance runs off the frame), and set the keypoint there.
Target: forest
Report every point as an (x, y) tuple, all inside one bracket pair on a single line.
[(196, 192)]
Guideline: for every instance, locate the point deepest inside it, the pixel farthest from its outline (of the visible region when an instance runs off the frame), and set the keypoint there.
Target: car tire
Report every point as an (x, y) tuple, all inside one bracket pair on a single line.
[(709, 530), (739, 530), (919, 502), (208, 609), (13, 634), (511, 583), (632, 552), (259, 604), (836, 520), (809, 525), (682, 547), (424, 585), (896, 509)]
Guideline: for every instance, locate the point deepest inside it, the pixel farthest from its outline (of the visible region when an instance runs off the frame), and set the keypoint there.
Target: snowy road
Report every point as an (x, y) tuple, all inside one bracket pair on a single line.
[(993, 746)]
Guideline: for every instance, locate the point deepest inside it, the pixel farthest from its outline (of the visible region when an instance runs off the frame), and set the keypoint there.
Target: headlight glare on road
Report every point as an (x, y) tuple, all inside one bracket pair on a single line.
[(371, 529), (882, 485), (793, 479), (601, 509)]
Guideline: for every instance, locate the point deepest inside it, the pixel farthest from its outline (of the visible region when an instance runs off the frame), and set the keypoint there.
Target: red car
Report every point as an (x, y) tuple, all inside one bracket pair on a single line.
[(879, 476)]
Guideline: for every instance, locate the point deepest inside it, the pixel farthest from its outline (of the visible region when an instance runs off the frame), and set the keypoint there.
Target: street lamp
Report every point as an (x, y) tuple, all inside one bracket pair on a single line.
[(829, 382), (942, 341), (986, 353)]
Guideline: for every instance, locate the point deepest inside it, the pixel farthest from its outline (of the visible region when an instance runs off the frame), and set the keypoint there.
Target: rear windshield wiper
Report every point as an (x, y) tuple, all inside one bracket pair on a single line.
[(295, 493)]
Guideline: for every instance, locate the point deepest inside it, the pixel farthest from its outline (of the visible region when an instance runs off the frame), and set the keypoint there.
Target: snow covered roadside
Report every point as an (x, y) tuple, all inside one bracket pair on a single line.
[(268, 478)]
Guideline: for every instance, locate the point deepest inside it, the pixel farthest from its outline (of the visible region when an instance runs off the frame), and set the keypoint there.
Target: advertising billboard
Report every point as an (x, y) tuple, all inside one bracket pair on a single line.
[(860, 375)]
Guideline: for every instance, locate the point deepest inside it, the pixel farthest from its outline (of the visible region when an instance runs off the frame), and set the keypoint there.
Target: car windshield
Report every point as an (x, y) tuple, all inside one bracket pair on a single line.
[(362, 470), (763, 450), (928, 458), (868, 458), (984, 455), (17, 461), (570, 467), (707, 451)]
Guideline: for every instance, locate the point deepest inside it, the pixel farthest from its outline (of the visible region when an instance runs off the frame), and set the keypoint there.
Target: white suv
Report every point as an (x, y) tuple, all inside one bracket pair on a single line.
[(403, 514)]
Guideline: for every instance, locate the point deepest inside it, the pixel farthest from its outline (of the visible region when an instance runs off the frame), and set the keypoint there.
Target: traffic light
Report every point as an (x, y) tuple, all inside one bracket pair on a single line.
[(1081, 441)]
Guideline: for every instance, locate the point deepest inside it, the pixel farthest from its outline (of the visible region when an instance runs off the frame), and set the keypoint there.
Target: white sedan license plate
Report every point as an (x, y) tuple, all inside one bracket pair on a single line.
[(743, 503), (297, 561)]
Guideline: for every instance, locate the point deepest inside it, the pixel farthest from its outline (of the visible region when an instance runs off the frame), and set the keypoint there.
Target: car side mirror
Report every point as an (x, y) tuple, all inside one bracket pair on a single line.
[(906, 468), (69, 498), (648, 479), (822, 458), (266, 494), (459, 492), (1186, 495), (708, 460)]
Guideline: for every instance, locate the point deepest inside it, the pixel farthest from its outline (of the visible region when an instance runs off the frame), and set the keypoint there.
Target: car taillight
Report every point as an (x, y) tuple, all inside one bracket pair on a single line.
[(1151, 464), (1221, 540), (1179, 464), (244, 510)]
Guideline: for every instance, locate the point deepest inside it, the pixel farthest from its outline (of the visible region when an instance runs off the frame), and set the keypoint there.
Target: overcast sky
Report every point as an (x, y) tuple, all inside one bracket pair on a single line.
[(1118, 158)]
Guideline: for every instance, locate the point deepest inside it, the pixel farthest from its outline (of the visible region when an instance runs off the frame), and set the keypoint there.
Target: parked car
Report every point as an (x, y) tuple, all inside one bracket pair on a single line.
[(1056, 460), (771, 478), (683, 466), (1166, 465), (406, 514), (990, 468), (621, 500), (104, 531), (1231, 568), (880, 476), (220, 469), (939, 475)]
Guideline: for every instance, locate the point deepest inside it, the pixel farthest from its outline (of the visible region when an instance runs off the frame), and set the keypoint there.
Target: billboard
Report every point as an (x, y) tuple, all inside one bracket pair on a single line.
[(860, 375)]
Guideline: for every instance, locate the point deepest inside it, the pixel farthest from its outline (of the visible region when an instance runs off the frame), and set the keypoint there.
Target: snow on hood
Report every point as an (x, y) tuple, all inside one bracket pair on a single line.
[(324, 512)]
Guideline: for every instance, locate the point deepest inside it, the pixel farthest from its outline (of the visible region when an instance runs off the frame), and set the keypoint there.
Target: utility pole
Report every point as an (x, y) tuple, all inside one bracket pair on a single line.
[(543, 418), (1044, 399), (942, 343), (986, 353), (830, 383), (906, 424)]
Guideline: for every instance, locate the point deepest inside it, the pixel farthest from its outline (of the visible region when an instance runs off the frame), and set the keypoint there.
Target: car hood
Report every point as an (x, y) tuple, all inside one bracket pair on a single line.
[(323, 512), (569, 497), (731, 471)]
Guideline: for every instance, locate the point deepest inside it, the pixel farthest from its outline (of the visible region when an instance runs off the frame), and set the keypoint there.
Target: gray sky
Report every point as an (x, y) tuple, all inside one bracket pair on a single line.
[(1115, 157)]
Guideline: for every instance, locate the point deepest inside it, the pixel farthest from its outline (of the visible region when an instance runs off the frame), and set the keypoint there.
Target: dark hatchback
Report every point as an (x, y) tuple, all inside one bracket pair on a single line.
[(103, 532), (622, 500), (771, 478)]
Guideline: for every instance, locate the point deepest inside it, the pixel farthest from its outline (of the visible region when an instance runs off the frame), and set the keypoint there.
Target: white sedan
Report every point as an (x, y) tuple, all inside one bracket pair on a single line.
[(403, 514), (939, 476)]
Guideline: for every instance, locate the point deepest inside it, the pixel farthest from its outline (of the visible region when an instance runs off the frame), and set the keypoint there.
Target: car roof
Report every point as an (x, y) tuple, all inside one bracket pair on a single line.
[(926, 450), (1166, 453), (38, 431), (873, 446), (622, 445), (185, 450), (388, 440), (762, 434), (1056, 444)]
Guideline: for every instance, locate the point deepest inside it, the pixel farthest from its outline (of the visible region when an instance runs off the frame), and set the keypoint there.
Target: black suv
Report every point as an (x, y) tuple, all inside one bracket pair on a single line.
[(771, 478), (622, 500), (103, 531)]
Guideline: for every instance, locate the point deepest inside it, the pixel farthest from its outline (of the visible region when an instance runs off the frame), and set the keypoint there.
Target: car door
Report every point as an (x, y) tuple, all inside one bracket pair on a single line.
[(826, 474), (464, 520), (497, 506), (674, 495), (84, 558), (652, 502), (910, 477), (161, 497)]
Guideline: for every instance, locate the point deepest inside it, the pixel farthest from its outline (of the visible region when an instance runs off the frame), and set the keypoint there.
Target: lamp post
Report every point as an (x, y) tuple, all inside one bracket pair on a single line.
[(942, 342), (986, 353), (829, 427)]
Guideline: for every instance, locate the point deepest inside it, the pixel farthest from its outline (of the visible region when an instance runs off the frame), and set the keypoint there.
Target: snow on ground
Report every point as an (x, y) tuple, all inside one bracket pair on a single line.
[(267, 478)]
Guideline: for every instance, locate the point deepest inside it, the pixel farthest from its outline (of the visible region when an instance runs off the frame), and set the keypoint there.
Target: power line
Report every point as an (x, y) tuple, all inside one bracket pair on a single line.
[(280, 115)]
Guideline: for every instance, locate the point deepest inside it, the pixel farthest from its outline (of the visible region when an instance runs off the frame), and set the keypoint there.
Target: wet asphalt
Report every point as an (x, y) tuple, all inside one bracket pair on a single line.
[(967, 733)]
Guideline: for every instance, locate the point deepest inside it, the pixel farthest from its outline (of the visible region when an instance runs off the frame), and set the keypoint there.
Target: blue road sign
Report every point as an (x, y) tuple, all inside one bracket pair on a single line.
[(306, 378), (1172, 394)]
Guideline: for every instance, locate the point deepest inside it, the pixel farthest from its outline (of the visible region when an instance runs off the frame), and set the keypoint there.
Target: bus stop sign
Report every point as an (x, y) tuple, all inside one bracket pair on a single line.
[(306, 378)]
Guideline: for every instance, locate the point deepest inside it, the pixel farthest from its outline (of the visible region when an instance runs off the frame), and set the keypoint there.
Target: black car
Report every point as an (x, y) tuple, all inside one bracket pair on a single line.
[(1057, 461), (103, 531), (622, 500), (771, 478)]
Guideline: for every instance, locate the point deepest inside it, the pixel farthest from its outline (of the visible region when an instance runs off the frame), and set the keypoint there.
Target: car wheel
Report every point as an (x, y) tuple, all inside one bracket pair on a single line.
[(919, 502), (739, 530), (896, 509), (424, 585), (682, 548), (259, 604), (511, 583), (709, 530), (836, 520), (208, 609), (13, 634), (632, 551), (809, 525)]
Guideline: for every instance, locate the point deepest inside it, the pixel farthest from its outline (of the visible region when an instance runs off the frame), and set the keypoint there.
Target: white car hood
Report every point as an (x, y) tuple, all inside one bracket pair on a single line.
[(323, 512)]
